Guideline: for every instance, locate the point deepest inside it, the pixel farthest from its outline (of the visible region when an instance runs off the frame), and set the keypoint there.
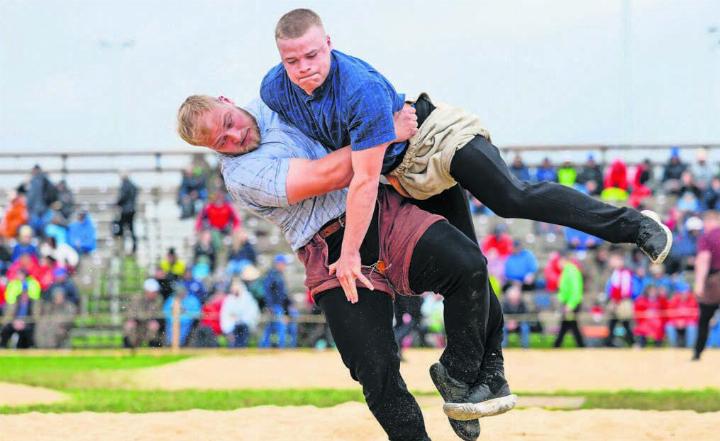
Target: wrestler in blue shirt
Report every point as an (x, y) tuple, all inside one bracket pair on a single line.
[(354, 106)]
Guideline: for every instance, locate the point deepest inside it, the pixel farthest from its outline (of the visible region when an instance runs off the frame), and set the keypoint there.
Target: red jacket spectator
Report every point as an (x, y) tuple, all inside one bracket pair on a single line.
[(211, 313), (502, 243), (620, 285), (218, 214), (26, 262), (617, 175), (640, 191), (44, 273), (682, 310), (650, 311)]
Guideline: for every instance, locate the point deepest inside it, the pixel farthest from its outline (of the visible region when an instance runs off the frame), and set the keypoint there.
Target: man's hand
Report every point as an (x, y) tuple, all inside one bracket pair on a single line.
[(699, 289), (347, 269), (405, 123)]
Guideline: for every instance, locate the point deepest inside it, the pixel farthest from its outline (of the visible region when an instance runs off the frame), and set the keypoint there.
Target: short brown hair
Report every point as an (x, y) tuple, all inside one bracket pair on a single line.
[(189, 113), (295, 23)]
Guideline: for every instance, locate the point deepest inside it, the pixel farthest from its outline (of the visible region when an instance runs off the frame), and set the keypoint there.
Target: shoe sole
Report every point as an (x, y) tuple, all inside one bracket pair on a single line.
[(471, 411), (668, 235), (457, 426)]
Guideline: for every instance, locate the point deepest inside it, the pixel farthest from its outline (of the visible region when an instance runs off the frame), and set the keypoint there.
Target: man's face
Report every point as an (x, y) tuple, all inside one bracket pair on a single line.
[(306, 59), (228, 129)]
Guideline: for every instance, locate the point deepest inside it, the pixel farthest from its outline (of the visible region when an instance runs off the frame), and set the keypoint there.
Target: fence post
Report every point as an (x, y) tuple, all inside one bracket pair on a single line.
[(176, 325)]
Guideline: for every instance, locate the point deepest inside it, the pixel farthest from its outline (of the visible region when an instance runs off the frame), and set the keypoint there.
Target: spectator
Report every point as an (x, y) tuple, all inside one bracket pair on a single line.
[(44, 272), (499, 241), (20, 312), (707, 277), (616, 175), (682, 253), (649, 309), (66, 200), (519, 169), (192, 192), (26, 263), (40, 194), (189, 311), (570, 297), (55, 320), (241, 254), (81, 233), (56, 228), (711, 195), (172, 266), (239, 315), (579, 241), (24, 244), (521, 266), (513, 304), (204, 248), (591, 172), (143, 318), (566, 174), (682, 319), (127, 206), (702, 170), (276, 299), (688, 185), (673, 171), (219, 216), (640, 191), (209, 328), (546, 171), (62, 281), (63, 254), (5, 256), (15, 216), (193, 286), (619, 289)]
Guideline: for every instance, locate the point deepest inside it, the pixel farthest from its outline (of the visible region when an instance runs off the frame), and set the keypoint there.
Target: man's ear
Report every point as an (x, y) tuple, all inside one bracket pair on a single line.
[(329, 43), (226, 100)]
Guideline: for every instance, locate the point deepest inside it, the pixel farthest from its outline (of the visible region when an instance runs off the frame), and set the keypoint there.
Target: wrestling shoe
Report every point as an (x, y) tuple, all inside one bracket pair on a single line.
[(489, 397), (454, 390), (654, 238)]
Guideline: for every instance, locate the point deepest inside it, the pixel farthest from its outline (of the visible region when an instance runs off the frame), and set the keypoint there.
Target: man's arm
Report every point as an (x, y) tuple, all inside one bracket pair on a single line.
[(362, 195), (308, 178)]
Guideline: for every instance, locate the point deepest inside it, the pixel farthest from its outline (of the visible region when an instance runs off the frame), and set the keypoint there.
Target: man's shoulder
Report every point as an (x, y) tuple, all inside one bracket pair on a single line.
[(273, 83), (356, 74)]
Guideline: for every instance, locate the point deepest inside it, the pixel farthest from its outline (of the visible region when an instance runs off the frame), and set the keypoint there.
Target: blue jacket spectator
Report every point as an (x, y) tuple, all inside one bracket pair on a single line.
[(55, 228), (63, 281), (274, 283), (193, 286), (519, 169), (189, 311), (81, 234), (521, 265), (24, 244), (579, 241), (546, 172)]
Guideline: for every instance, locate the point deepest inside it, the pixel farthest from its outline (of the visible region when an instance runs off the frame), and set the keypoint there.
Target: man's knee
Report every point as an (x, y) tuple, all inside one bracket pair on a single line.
[(379, 373)]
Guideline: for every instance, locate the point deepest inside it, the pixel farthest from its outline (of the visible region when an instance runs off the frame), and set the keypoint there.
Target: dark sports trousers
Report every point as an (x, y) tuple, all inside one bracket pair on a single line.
[(480, 169), (445, 261), (706, 313)]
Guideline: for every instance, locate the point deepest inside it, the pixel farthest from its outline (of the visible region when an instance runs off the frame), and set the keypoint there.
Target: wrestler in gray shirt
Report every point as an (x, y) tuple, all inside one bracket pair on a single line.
[(257, 179)]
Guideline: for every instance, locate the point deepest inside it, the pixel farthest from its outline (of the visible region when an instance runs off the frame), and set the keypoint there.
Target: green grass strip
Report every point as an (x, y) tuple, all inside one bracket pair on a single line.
[(67, 372), (114, 400), (706, 400)]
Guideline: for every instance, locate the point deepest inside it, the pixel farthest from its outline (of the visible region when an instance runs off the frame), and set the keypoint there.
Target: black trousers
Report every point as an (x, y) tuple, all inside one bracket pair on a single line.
[(569, 324), (444, 261), (127, 223), (25, 336), (706, 314), (480, 169)]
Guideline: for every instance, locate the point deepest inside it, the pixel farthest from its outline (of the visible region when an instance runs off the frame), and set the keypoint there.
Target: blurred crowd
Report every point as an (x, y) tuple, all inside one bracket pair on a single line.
[(221, 291)]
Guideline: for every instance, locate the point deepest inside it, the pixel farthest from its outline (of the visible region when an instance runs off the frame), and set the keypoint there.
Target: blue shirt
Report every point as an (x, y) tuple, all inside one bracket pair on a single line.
[(257, 180), (274, 287), (354, 105), (519, 265)]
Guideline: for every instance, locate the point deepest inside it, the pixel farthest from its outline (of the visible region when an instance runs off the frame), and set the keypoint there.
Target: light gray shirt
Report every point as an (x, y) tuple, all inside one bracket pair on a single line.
[(257, 180)]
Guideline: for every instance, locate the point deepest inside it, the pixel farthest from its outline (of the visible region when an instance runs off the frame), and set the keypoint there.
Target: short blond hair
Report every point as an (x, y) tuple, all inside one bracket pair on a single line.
[(295, 23), (188, 115)]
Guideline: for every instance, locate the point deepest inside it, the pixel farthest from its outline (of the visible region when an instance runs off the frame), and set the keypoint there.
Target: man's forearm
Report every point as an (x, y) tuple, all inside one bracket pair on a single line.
[(362, 195), (702, 268)]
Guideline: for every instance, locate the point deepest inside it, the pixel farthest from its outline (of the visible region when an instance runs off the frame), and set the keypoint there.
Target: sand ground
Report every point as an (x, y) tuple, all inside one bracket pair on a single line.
[(353, 422), (527, 371), (538, 371), (19, 395)]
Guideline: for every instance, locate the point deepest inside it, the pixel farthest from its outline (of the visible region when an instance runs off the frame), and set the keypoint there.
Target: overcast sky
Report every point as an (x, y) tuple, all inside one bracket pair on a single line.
[(79, 75)]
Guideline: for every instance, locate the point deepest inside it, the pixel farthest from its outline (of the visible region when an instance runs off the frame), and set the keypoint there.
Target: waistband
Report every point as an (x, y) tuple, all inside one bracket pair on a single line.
[(332, 227)]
